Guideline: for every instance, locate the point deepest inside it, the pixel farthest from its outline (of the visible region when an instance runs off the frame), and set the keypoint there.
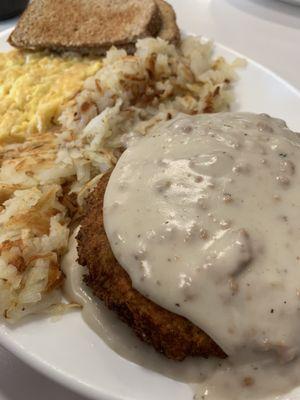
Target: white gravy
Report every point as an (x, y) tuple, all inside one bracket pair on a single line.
[(232, 379), (203, 215)]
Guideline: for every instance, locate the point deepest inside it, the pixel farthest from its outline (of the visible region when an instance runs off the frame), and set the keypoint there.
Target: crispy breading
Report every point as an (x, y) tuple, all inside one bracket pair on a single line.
[(168, 333)]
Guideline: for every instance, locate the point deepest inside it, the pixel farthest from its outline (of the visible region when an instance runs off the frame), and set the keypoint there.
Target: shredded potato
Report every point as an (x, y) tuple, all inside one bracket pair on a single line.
[(44, 181)]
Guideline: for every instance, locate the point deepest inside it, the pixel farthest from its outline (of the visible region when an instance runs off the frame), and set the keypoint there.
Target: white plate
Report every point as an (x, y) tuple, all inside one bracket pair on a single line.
[(69, 351)]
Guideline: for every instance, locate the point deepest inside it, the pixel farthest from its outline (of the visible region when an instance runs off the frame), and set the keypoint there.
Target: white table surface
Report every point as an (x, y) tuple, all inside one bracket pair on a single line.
[(267, 31)]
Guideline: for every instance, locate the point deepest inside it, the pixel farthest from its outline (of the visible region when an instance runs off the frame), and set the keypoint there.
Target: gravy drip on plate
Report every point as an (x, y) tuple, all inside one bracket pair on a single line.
[(210, 379), (203, 215)]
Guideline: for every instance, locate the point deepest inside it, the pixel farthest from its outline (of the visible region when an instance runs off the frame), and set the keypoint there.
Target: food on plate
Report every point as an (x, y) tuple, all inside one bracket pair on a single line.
[(33, 238), (168, 333), (186, 215), (198, 222), (33, 220), (93, 26), (52, 161), (133, 93), (34, 87)]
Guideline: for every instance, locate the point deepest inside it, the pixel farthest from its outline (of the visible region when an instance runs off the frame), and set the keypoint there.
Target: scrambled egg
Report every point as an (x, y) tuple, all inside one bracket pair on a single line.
[(34, 87)]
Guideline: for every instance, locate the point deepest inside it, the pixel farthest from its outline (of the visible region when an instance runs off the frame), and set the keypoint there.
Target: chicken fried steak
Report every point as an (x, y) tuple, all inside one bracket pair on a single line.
[(170, 334)]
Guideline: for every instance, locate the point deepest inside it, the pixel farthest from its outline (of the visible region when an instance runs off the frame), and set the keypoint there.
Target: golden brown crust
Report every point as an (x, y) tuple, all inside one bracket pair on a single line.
[(93, 26), (86, 26), (168, 333), (169, 30)]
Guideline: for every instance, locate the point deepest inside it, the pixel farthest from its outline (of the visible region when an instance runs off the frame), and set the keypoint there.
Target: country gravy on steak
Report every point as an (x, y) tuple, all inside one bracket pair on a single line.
[(204, 216)]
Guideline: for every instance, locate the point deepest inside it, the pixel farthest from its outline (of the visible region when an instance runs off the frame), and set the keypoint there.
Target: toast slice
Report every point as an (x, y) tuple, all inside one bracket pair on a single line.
[(85, 26), (169, 30)]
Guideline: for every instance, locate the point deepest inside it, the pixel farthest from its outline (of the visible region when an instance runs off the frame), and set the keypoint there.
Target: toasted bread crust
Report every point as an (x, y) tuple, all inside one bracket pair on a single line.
[(168, 333), (86, 26), (169, 30), (93, 26)]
